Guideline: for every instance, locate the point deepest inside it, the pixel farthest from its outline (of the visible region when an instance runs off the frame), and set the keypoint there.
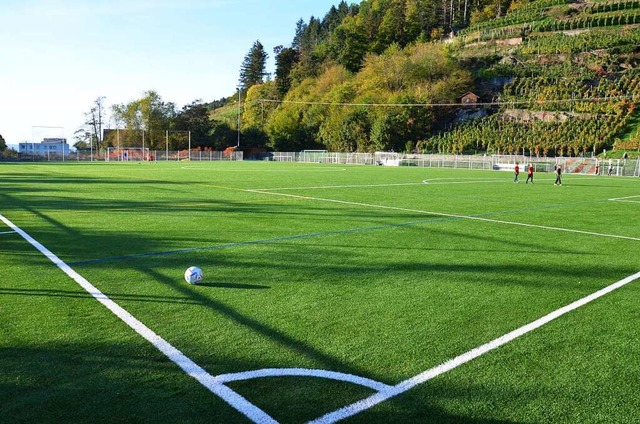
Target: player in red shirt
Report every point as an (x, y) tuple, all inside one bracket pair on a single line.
[(529, 174), (516, 172)]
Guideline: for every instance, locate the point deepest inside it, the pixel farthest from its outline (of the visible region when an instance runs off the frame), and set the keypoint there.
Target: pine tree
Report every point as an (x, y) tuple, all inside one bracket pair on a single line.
[(286, 58), (253, 70)]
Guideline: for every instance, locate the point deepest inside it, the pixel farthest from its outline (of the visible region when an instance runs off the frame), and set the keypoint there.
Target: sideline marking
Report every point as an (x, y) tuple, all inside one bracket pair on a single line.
[(176, 356), (449, 215), (7, 232), (371, 401)]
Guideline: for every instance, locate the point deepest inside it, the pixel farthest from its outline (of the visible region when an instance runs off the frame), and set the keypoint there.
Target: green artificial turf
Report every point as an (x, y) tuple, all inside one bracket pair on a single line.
[(377, 272)]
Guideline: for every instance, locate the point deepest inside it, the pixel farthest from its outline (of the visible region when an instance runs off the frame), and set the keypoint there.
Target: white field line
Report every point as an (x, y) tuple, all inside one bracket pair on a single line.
[(244, 171), (188, 366), (626, 199), (474, 218), (7, 232), (435, 181), (362, 405), (304, 372), (338, 186), (255, 414)]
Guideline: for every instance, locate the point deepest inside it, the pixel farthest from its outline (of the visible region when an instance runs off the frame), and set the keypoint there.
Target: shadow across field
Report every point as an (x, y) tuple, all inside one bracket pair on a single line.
[(124, 379), (104, 382), (85, 295), (93, 379), (275, 335), (234, 286)]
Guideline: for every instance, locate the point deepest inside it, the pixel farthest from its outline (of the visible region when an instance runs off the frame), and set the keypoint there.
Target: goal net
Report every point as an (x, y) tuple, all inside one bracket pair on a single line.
[(387, 158), (312, 155), (127, 154)]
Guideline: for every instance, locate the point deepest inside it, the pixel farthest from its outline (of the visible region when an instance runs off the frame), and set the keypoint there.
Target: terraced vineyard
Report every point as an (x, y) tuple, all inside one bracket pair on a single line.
[(571, 81)]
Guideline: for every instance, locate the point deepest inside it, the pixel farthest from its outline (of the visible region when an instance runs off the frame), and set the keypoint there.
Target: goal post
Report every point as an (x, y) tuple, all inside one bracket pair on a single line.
[(312, 155)]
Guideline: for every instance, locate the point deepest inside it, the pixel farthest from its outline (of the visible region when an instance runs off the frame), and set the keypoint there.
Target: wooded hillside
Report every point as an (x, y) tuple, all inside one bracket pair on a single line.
[(552, 77)]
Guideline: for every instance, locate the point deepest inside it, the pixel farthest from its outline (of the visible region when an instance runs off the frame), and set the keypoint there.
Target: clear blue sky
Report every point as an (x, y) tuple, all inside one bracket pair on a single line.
[(57, 56)]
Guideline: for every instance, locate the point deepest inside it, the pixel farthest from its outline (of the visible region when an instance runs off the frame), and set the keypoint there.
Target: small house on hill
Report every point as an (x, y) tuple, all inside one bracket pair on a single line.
[(469, 98)]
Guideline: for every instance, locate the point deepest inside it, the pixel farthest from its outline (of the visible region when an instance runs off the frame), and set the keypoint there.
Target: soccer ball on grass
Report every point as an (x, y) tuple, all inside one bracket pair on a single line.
[(193, 275)]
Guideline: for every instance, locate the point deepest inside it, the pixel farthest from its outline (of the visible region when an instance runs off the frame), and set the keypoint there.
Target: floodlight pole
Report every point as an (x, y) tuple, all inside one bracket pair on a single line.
[(239, 91)]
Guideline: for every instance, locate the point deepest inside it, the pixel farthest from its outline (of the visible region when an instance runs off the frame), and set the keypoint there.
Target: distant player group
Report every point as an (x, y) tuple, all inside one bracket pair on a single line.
[(557, 171), (516, 173)]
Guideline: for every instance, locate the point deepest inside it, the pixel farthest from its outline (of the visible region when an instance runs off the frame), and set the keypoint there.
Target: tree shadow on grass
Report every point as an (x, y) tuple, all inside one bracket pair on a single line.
[(86, 379), (274, 335), (238, 286)]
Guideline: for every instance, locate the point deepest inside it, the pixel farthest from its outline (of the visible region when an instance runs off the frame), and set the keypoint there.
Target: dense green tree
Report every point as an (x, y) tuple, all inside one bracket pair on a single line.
[(157, 117), (256, 113), (392, 27), (301, 27), (194, 117), (308, 37), (145, 121), (285, 129), (223, 135), (253, 69), (3, 144), (421, 19), (349, 44), (286, 59)]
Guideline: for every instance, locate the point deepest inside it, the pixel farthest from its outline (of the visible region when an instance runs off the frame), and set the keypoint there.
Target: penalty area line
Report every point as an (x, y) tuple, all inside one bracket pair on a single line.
[(176, 356), (371, 401), (449, 215), (627, 199)]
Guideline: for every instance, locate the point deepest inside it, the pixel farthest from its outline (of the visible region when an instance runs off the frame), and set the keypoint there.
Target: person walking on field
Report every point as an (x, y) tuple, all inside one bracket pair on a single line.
[(516, 172), (558, 175), (529, 174)]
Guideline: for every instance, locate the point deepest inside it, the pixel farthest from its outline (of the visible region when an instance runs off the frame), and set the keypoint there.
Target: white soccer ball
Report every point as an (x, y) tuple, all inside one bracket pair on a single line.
[(193, 275)]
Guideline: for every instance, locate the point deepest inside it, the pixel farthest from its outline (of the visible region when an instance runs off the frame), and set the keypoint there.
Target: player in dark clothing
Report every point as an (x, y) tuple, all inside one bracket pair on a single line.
[(558, 175)]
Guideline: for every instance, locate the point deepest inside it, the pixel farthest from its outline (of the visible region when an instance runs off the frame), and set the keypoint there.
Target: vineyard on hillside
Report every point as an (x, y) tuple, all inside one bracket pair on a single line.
[(572, 81)]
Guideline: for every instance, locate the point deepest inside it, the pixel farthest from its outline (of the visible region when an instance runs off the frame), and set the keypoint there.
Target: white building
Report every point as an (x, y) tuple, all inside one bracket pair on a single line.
[(48, 147)]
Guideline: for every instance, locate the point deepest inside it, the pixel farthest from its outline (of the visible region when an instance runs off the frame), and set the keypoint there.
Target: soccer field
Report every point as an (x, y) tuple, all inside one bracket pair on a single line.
[(357, 294)]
